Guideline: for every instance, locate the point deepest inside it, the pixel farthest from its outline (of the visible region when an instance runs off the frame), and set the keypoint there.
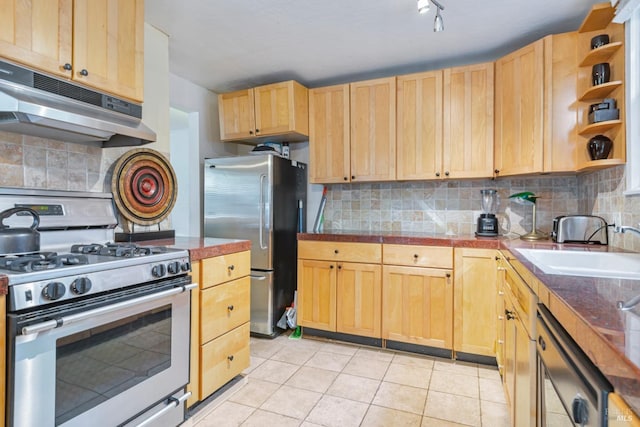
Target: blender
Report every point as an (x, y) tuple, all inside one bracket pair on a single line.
[(487, 221)]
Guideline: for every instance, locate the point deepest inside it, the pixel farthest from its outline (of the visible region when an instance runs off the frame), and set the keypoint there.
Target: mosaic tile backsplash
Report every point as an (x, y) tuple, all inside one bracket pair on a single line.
[(448, 207), (452, 207)]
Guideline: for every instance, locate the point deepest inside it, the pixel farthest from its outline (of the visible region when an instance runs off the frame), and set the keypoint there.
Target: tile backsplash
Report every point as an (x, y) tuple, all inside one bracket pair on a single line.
[(452, 207), (32, 162), (449, 207)]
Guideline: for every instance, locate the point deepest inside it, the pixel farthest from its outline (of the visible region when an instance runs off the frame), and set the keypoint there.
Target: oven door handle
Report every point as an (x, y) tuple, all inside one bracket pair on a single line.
[(172, 400), (73, 318)]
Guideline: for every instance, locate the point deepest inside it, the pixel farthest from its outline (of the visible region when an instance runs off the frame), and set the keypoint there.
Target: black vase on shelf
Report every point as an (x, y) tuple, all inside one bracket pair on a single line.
[(599, 41), (601, 73), (599, 147)]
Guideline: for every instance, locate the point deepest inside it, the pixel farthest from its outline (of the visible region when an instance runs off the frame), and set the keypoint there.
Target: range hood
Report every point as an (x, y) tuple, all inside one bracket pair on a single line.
[(40, 105)]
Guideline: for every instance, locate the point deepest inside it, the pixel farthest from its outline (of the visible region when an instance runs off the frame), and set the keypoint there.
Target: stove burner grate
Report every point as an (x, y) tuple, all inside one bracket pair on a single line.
[(126, 250), (40, 261)]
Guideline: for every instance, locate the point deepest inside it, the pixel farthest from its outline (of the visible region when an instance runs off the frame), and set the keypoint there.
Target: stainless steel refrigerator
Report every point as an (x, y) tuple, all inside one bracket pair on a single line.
[(258, 198)]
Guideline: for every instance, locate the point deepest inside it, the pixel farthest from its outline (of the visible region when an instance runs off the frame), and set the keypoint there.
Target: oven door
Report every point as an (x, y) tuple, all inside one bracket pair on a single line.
[(103, 365)]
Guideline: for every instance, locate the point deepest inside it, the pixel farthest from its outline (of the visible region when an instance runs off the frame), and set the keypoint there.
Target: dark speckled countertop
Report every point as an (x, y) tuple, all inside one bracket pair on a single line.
[(585, 306), (203, 247)]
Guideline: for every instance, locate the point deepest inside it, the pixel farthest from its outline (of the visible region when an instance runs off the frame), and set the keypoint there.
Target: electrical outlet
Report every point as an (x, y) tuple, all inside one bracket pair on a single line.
[(617, 219)]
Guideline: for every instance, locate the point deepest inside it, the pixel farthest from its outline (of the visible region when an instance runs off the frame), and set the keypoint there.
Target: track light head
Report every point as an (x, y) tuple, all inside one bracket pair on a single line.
[(438, 24), (423, 6)]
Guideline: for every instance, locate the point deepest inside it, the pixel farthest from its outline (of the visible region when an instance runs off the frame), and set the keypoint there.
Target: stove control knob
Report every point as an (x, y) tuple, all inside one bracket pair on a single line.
[(81, 285), (173, 267), (159, 270), (186, 266), (53, 291)]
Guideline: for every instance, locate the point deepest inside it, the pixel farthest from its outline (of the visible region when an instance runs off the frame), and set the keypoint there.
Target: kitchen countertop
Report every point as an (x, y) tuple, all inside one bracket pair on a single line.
[(585, 306), (202, 247)]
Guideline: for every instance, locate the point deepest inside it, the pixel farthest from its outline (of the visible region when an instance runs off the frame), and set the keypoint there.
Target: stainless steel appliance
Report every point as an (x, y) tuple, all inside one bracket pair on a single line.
[(571, 390), (580, 229), (98, 332), (37, 104), (256, 198), (487, 221)]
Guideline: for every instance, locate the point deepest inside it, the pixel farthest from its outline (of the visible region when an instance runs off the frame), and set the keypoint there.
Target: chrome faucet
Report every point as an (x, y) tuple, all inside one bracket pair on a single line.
[(625, 228)]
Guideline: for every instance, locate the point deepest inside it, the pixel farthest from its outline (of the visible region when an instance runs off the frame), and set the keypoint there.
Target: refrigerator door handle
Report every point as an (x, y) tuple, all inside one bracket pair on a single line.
[(263, 177), (253, 276)]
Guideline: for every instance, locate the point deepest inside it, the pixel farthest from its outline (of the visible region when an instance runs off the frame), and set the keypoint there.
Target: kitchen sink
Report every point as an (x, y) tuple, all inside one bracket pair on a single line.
[(618, 265)]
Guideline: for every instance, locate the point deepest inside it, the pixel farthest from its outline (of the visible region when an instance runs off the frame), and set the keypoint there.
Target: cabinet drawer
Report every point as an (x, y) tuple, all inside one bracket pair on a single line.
[(340, 251), (418, 256), (224, 268), (224, 307), (224, 358)]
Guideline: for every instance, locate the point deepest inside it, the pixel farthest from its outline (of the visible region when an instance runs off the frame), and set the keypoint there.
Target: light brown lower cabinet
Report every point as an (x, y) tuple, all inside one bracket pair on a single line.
[(337, 295), (223, 358), (220, 311), (519, 377), (417, 306), (474, 301)]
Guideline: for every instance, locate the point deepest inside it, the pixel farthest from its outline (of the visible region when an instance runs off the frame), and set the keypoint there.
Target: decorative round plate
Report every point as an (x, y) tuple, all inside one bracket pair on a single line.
[(144, 186)]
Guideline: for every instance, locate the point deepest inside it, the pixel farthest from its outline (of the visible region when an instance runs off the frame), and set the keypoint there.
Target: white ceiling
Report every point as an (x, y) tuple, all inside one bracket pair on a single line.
[(225, 45)]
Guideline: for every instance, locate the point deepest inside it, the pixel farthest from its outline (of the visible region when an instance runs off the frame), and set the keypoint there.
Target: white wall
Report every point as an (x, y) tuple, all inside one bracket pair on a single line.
[(202, 106), (155, 110)]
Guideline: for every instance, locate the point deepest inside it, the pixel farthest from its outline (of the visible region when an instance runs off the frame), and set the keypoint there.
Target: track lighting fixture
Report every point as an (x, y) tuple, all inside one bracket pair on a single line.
[(423, 7)]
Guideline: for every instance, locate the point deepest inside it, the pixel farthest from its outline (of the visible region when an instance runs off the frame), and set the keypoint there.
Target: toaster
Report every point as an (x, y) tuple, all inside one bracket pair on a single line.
[(580, 229)]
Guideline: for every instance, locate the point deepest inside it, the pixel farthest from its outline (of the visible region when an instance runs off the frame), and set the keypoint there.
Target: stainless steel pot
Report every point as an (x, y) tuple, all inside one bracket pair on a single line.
[(20, 239)]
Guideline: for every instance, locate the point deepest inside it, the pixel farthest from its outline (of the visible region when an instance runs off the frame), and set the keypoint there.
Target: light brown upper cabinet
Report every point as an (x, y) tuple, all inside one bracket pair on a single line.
[(279, 112), (468, 121), (329, 135), (373, 130), (419, 126), (99, 43), (536, 108), (519, 111), (37, 34)]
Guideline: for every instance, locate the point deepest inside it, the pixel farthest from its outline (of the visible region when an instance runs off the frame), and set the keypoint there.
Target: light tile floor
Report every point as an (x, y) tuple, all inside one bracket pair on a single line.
[(312, 382)]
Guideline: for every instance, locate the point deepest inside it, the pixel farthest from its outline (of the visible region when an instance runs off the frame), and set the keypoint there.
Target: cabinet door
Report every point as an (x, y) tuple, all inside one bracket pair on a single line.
[(419, 126), (237, 119), (519, 111), (525, 380), (37, 33), (317, 294), (359, 297), (417, 306), (509, 378), (329, 124), (194, 346), (475, 301), (281, 108), (561, 108), (108, 46), (501, 320), (468, 121), (373, 130)]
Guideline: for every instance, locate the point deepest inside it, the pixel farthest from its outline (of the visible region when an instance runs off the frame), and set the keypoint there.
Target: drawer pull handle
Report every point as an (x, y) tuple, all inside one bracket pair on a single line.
[(230, 358), (448, 275), (230, 308), (331, 266), (415, 256), (231, 268), (510, 314), (339, 267), (336, 251)]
